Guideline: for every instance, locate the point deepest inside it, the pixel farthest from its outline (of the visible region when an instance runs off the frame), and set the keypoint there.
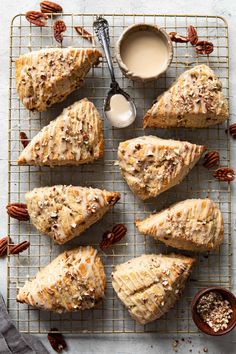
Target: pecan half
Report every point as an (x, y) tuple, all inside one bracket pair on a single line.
[(224, 174), (113, 236), (175, 37), (3, 246), (24, 139), (58, 28), (192, 35), (50, 7), (37, 18), (57, 340), (19, 247), (18, 211), (211, 159), (84, 33), (204, 47), (232, 130)]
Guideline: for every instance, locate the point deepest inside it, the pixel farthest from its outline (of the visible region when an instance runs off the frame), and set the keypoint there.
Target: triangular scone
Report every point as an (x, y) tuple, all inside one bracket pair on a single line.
[(195, 100), (151, 165), (74, 138), (49, 75), (73, 281), (149, 285), (63, 212), (191, 225)]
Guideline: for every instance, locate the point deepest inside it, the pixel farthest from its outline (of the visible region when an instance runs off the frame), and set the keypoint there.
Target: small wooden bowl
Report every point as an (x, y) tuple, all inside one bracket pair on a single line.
[(226, 294)]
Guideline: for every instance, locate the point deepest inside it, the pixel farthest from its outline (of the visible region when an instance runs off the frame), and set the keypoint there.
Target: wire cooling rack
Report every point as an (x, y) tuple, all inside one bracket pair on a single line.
[(215, 268)]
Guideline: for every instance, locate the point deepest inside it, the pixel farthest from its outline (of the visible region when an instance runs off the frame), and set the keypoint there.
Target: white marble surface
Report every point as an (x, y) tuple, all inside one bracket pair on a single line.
[(119, 343)]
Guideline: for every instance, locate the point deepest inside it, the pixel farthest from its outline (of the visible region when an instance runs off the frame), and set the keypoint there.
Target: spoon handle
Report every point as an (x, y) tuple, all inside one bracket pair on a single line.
[(101, 28)]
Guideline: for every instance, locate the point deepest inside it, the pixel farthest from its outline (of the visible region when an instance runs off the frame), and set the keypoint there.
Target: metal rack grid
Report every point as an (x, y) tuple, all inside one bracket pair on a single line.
[(215, 268)]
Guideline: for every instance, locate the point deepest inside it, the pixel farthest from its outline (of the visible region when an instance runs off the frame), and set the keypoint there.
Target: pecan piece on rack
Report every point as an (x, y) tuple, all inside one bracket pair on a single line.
[(37, 18), (211, 159), (58, 28), (50, 7), (24, 139), (232, 130), (57, 340), (18, 211), (192, 35), (3, 246), (84, 33), (224, 174), (204, 47), (113, 236), (19, 247), (175, 37)]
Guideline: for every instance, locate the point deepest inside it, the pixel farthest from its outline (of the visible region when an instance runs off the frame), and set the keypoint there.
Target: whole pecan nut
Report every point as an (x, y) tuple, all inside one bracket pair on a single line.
[(204, 47), (232, 130), (211, 159), (113, 236), (19, 247), (84, 33), (224, 174), (24, 139), (3, 246), (192, 35), (50, 7), (175, 37), (57, 340), (18, 211), (37, 18), (58, 28)]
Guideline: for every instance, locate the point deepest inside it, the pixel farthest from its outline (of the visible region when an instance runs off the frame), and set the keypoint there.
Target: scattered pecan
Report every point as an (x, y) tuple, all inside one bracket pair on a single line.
[(211, 159), (50, 7), (204, 47), (192, 35), (84, 33), (224, 174), (18, 211), (175, 37), (113, 236), (37, 18), (58, 28), (24, 139), (19, 247), (57, 340), (232, 130), (3, 246)]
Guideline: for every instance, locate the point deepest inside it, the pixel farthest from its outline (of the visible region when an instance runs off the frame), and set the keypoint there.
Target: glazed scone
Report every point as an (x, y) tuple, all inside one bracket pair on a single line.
[(151, 165), (73, 281), (195, 100), (149, 285), (73, 138), (64, 212), (49, 75), (192, 225)]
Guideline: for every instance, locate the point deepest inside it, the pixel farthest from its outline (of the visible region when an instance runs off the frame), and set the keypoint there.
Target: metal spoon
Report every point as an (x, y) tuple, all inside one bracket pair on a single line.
[(101, 28)]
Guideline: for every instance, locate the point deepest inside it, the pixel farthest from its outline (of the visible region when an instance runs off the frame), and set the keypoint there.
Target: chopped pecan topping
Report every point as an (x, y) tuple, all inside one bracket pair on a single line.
[(50, 7), (224, 174), (192, 35), (57, 340), (175, 37), (58, 28), (211, 159), (84, 33), (24, 139), (19, 247), (18, 211), (204, 47), (113, 236), (232, 130), (37, 18)]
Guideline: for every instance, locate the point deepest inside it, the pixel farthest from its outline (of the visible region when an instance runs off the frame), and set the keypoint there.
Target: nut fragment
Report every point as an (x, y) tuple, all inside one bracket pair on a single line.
[(113, 236), (50, 7), (37, 18), (204, 47), (18, 211), (224, 174), (19, 247), (84, 33), (232, 130), (24, 139), (192, 35), (58, 28), (211, 159), (57, 340), (175, 37)]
